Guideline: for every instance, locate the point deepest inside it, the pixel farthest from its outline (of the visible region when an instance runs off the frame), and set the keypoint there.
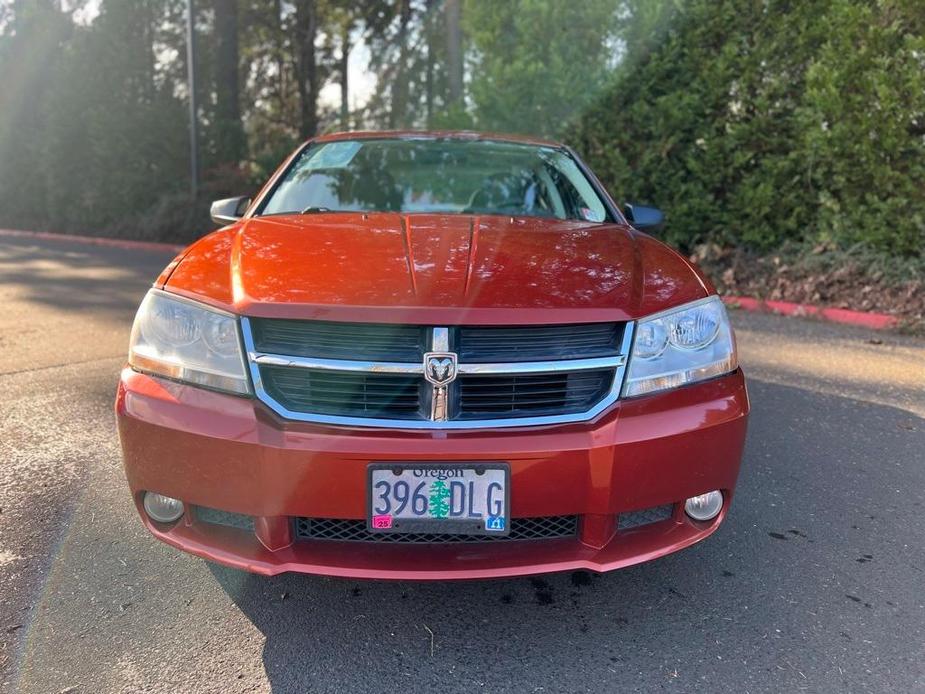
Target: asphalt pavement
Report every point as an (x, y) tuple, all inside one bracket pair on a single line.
[(816, 581)]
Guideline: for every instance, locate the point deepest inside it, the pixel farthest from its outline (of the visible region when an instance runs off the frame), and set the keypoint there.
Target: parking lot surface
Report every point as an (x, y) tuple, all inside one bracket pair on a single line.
[(815, 582)]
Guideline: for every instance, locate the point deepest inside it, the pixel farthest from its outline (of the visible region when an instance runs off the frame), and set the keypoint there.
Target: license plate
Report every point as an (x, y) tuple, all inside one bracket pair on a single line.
[(452, 498)]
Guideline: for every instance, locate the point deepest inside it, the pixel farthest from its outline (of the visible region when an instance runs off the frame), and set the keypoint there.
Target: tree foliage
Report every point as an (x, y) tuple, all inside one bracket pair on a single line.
[(759, 121), (537, 63), (751, 122), (111, 143)]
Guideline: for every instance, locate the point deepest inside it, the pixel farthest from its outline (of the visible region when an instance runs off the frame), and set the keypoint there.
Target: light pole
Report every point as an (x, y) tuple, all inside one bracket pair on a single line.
[(191, 80)]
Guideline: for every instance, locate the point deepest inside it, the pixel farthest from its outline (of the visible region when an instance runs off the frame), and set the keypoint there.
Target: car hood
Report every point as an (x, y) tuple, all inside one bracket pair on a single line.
[(432, 269)]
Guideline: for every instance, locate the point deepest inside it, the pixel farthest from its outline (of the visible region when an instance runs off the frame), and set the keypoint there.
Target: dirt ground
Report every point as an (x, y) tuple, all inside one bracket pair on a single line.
[(822, 277)]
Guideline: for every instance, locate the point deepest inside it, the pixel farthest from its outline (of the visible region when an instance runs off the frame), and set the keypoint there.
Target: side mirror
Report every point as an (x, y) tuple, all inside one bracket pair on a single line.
[(229, 210), (644, 217)]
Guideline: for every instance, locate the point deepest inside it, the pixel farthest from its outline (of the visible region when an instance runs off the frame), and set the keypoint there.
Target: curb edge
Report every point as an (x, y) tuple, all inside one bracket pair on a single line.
[(93, 240), (874, 321)]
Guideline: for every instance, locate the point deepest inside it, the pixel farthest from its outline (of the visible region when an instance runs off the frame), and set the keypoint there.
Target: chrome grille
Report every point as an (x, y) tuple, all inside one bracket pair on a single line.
[(425, 377), (329, 392), (550, 393), (544, 528), (486, 344), (329, 340)]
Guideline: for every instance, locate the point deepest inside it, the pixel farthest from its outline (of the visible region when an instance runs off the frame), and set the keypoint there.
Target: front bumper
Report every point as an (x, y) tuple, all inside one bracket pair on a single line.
[(233, 454)]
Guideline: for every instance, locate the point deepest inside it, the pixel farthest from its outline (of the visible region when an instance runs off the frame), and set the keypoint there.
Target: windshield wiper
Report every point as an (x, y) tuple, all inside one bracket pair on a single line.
[(312, 209)]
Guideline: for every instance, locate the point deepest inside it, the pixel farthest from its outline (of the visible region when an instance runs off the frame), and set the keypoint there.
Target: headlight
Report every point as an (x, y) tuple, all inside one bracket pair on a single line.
[(684, 345), (188, 341)]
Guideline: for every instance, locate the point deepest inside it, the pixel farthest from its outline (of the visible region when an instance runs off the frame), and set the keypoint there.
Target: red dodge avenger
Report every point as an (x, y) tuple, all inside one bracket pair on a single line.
[(431, 356)]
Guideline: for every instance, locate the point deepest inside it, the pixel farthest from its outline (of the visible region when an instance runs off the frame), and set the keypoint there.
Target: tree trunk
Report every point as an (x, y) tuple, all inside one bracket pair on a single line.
[(344, 87), (282, 85), (306, 27), (147, 23), (454, 64), (230, 142), (429, 67), (399, 111)]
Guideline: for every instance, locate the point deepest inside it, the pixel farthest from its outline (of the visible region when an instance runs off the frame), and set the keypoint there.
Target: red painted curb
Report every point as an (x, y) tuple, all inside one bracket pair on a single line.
[(94, 240), (875, 321)]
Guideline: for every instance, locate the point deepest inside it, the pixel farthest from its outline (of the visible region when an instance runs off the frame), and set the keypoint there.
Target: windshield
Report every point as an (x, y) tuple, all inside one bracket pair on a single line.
[(437, 175)]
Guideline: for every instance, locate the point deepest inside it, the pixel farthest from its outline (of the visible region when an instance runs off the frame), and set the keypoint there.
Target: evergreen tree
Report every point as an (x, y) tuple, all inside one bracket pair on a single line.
[(439, 503), (537, 63)]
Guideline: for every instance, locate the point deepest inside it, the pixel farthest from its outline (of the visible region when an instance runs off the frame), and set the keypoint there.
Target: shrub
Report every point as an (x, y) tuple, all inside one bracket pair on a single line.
[(754, 123)]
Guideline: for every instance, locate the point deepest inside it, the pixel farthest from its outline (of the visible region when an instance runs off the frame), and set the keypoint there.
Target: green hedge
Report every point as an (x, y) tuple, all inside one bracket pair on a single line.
[(755, 122)]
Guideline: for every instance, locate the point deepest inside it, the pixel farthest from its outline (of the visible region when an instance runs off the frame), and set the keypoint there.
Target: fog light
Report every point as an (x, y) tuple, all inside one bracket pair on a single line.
[(163, 509), (704, 507)]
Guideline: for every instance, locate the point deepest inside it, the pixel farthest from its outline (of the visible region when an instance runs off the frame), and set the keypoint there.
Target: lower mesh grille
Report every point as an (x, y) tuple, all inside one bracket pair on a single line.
[(634, 519), (546, 528)]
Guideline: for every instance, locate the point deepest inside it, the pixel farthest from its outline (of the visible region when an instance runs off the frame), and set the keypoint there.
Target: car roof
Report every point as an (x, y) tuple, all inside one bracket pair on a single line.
[(433, 134)]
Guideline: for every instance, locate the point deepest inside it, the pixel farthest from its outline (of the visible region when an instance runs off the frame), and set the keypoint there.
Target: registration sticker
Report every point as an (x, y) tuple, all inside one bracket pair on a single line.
[(383, 522), (495, 523)]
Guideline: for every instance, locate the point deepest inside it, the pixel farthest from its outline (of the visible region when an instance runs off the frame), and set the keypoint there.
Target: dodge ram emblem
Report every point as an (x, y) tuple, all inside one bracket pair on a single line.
[(440, 367)]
